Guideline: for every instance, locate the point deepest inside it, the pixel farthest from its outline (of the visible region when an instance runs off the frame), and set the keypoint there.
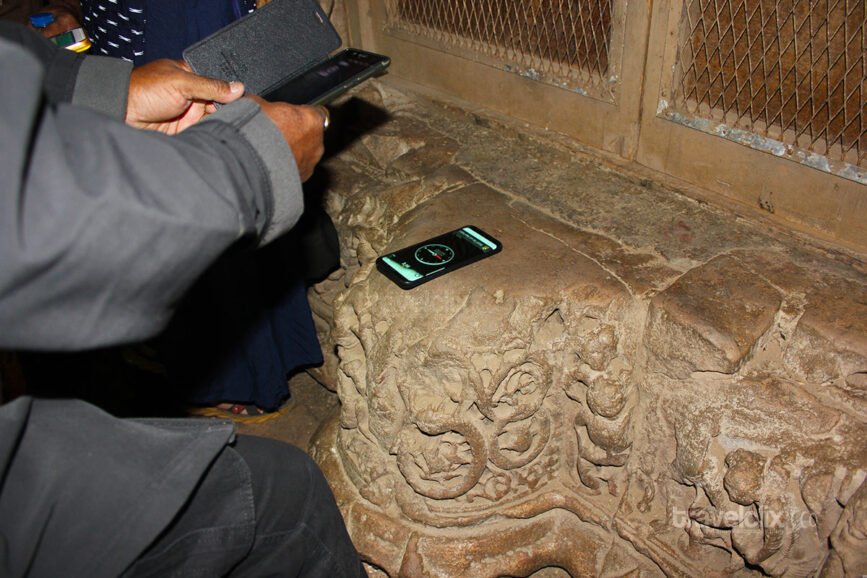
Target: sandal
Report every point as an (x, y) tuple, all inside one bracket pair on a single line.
[(237, 412)]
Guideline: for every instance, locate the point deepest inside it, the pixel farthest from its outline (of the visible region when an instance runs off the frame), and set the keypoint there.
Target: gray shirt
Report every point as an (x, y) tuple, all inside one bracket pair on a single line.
[(102, 229)]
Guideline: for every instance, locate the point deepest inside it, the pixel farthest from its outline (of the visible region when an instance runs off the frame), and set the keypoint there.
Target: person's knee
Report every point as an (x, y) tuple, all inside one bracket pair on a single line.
[(269, 457), (298, 523), (287, 483)]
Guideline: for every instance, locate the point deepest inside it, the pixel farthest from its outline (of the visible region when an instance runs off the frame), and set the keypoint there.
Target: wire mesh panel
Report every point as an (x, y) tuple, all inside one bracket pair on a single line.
[(562, 42), (788, 70)]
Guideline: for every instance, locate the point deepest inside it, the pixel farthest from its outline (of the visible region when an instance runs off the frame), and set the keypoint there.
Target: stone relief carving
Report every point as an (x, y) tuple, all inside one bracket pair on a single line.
[(753, 505), (713, 426), (475, 413), (504, 400)]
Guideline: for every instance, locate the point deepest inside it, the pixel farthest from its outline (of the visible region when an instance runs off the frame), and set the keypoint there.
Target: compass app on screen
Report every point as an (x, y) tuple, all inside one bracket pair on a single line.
[(424, 261)]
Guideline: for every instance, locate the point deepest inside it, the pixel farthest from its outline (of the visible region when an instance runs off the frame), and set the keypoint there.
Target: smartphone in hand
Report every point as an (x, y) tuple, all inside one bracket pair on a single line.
[(331, 78)]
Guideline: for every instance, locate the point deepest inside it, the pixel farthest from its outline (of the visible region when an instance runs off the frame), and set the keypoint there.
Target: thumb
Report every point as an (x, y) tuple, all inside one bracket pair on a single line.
[(213, 90)]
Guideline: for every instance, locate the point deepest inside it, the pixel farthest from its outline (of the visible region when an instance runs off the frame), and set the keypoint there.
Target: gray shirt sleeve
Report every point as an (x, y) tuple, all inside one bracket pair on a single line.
[(104, 227), (102, 83)]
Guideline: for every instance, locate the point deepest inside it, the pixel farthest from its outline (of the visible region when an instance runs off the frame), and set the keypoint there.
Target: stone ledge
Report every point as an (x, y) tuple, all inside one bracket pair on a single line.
[(686, 383), (710, 318)]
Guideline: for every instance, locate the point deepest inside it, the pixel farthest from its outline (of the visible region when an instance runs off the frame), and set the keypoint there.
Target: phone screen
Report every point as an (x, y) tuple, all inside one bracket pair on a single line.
[(330, 78), (429, 259)]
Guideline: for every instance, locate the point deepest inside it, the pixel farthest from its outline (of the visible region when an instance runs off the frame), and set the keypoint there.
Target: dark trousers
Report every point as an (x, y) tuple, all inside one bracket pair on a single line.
[(262, 509)]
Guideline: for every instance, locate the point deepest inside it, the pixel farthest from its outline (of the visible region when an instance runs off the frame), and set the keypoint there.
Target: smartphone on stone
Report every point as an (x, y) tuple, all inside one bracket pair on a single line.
[(411, 266)]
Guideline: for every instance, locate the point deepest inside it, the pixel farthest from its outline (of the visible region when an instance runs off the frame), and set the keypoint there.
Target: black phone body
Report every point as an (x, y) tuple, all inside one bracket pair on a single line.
[(330, 78), (432, 258)]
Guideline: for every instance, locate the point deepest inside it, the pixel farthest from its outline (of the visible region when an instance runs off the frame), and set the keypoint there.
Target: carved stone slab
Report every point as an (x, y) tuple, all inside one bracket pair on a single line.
[(636, 386)]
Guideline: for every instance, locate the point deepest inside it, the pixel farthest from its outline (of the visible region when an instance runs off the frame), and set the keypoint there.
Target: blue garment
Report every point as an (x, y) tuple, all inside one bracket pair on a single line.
[(143, 30), (115, 27), (242, 329)]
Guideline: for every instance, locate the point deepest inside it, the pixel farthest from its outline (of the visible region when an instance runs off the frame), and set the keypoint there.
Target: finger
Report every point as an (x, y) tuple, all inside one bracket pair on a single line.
[(212, 90), (315, 116), (326, 117), (52, 29)]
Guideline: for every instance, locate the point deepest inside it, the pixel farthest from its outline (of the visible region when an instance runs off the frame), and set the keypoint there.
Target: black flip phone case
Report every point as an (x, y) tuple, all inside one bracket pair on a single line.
[(267, 47)]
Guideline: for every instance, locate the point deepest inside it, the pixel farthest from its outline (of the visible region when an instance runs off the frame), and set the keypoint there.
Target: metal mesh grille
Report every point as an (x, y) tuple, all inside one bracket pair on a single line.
[(791, 70), (562, 42)]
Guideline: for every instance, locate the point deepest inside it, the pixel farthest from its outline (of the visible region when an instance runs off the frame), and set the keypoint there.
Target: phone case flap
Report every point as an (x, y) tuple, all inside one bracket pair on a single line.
[(268, 46)]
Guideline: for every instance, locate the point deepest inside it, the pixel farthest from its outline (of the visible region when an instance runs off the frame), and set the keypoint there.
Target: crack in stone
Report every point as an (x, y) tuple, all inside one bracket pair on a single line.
[(576, 251), (445, 323)]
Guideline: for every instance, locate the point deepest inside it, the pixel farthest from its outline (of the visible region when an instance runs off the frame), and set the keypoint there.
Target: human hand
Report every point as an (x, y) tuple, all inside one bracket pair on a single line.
[(303, 128), (64, 20), (164, 95)]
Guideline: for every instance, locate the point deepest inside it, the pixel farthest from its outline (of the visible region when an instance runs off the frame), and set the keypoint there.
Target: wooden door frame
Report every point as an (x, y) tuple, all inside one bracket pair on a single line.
[(741, 177)]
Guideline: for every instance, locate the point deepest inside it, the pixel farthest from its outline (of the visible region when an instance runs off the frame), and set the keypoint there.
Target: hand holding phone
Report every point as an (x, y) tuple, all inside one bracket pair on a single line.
[(283, 52), (419, 263)]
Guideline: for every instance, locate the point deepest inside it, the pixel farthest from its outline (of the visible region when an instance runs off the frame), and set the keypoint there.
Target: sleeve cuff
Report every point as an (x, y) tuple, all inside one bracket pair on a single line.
[(103, 84), (278, 160)]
